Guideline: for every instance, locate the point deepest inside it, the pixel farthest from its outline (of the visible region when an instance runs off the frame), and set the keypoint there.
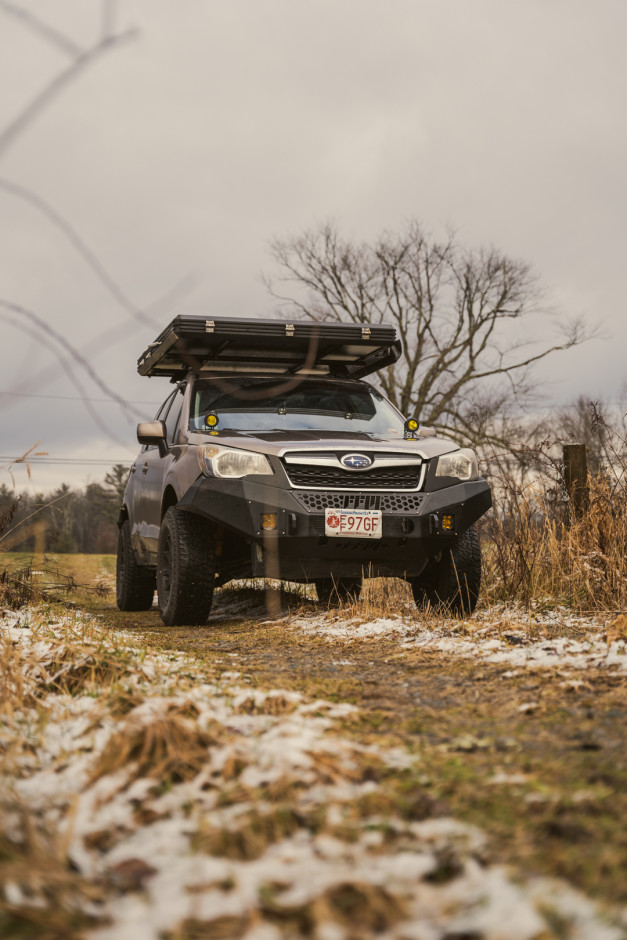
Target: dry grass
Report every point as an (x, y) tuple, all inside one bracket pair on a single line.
[(363, 909), (381, 597), (69, 667), (167, 747), (535, 551), (220, 928), (273, 703), (27, 578), (255, 831), (17, 586), (44, 897)]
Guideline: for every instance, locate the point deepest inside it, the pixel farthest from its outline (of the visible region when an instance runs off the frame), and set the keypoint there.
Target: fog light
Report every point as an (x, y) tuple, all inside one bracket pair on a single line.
[(268, 520), (448, 523), (411, 426)]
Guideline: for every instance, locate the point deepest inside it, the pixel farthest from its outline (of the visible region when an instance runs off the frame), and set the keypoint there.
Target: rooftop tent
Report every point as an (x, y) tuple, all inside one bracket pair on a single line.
[(228, 345)]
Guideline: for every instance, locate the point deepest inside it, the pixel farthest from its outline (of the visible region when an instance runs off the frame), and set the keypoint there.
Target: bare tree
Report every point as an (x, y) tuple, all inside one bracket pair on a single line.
[(465, 317)]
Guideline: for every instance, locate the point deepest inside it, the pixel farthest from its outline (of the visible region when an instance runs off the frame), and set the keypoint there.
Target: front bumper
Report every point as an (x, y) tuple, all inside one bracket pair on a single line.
[(298, 549)]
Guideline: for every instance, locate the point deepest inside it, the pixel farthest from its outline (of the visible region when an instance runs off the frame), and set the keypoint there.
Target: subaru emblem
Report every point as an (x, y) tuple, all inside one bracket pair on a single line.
[(356, 461)]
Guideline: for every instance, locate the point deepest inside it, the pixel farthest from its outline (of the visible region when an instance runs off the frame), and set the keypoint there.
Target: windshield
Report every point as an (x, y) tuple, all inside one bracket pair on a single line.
[(272, 404)]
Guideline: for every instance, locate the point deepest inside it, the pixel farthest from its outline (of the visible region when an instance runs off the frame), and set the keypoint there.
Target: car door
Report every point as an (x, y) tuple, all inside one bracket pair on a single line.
[(153, 470), (136, 489), (148, 477)]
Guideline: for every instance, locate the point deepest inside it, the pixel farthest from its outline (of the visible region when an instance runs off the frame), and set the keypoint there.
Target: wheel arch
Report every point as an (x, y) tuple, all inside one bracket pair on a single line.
[(169, 499)]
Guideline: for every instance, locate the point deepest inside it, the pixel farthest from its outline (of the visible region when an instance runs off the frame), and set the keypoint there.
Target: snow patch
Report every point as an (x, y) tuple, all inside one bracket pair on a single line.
[(516, 643)]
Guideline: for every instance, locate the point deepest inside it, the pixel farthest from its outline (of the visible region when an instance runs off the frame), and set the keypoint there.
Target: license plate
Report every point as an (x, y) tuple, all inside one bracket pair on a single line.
[(353, 523)]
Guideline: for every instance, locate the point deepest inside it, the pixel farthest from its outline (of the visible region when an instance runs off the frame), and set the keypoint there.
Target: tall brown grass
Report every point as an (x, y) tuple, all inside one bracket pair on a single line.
[(538, 549)]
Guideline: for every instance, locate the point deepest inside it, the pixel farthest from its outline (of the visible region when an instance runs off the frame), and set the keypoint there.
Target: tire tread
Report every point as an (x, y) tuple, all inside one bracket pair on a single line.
[(192, 577), (135, 584), (453, 583)]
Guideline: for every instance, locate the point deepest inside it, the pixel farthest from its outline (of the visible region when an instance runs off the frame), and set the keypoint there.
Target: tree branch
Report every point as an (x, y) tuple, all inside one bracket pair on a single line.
[(54, 88), (452, 308), (22, 313), (66, 365), (42, 29), (79, 243)]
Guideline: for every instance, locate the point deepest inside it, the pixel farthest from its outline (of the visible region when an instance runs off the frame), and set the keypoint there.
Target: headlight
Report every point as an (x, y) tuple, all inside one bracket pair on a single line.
[(461, 464), (224, 462)]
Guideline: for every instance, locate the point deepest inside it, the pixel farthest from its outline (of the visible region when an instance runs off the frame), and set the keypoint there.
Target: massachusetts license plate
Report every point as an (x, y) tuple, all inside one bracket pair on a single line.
[(353, 523)]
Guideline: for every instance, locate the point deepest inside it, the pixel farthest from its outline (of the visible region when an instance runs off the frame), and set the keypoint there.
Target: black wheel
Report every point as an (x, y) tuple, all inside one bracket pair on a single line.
[(135, 584), (185, 568), (452, 583), (335, 591)]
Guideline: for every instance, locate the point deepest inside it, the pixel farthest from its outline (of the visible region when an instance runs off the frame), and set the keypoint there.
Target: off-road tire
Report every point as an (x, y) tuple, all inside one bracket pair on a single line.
[(185, 568), (451, 585), (135, 584), (333, 592)]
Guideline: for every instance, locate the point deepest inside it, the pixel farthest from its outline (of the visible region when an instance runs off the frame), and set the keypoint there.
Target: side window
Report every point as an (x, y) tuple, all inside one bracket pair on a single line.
[(172, 420), (163, 410), (161, 416)]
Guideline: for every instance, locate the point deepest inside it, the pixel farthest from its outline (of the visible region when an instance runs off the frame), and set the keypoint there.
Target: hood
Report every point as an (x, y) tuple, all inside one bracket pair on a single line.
[(277, 443)]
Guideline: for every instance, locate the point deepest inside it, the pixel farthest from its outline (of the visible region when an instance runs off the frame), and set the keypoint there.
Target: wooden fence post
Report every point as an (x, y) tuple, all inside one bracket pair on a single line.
[(576, 477)]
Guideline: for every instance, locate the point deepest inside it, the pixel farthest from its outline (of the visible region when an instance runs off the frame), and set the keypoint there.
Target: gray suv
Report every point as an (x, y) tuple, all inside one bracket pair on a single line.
[(272, 457)]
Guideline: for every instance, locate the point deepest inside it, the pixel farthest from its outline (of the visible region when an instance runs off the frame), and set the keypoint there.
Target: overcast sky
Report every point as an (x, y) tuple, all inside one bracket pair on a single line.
[(224, 123)]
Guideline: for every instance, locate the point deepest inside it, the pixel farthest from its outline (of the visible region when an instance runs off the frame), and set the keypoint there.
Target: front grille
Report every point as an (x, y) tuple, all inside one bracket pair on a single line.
[(388, 478), (318, 500), (402, 503)]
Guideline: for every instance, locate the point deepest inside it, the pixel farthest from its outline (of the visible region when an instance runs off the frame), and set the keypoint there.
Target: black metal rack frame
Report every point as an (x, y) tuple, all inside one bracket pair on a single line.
[(230, 345)]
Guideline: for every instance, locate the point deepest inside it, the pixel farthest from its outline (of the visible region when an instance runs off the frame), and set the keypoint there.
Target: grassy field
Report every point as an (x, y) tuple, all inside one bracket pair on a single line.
[(536, 758), (72, 577)]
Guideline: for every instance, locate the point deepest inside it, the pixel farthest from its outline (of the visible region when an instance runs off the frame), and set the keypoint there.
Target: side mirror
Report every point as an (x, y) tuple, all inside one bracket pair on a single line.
[(153, 432)]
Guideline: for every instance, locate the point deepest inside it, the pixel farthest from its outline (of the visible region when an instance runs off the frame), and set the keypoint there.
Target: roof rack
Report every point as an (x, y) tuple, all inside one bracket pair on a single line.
[(228, 344)]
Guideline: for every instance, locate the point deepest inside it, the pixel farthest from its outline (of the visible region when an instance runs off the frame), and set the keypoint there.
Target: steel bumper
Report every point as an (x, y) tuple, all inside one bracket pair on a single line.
[(298, 549)]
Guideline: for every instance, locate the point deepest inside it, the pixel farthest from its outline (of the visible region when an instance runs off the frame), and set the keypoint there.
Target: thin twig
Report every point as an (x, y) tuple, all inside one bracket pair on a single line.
[(79, 243), (43, 99), (108, 18), (42, 29)]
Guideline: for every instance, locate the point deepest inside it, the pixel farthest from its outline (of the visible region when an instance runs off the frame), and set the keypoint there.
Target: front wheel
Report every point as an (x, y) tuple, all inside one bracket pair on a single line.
[(134, 584), (185, 568), (336, 591), (452, 583)]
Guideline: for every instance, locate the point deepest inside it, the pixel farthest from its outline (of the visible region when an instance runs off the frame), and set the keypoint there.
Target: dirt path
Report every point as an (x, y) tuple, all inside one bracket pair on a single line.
[(330, 775), (536, 757)]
